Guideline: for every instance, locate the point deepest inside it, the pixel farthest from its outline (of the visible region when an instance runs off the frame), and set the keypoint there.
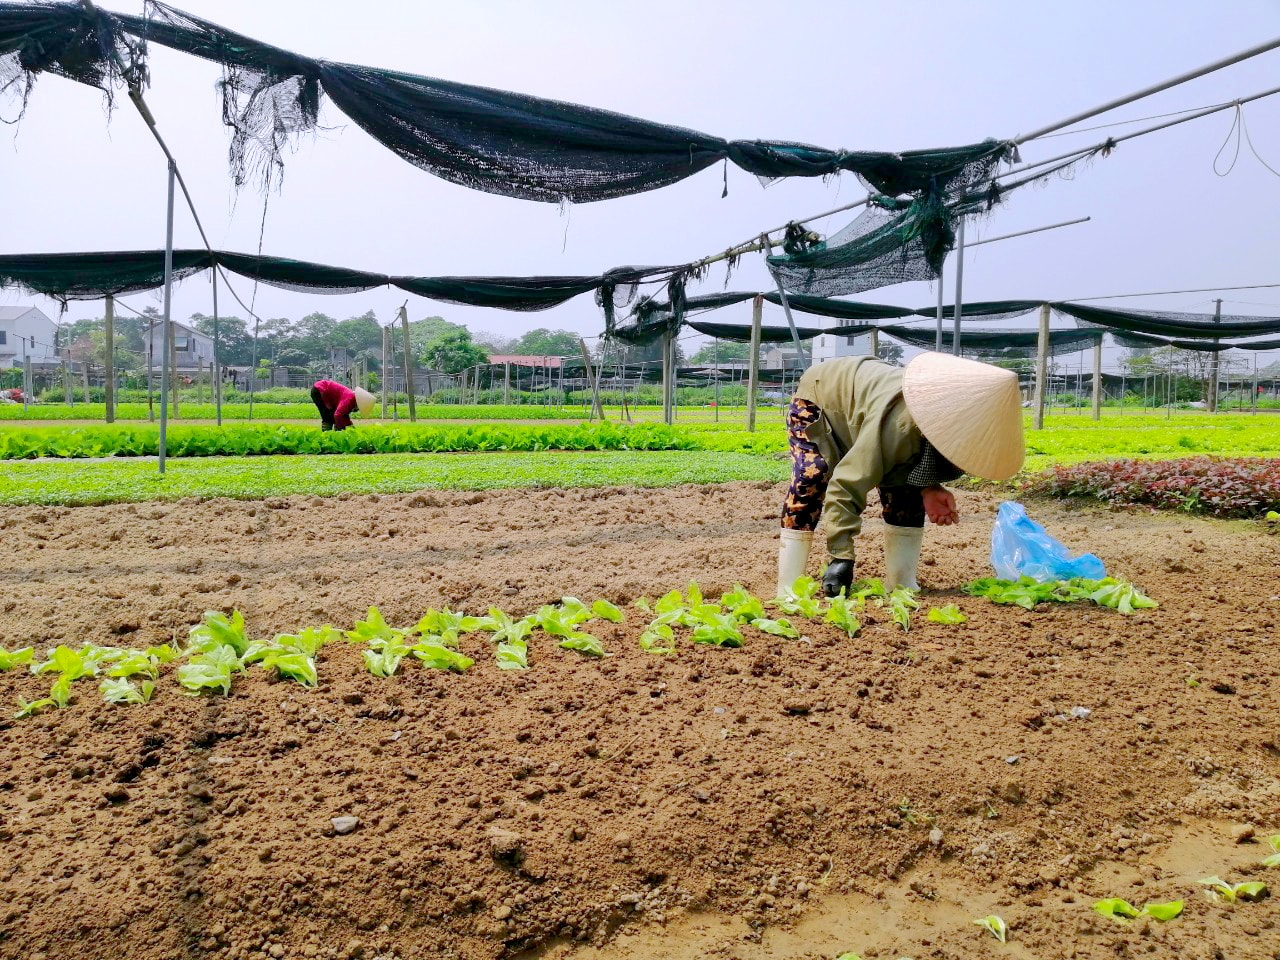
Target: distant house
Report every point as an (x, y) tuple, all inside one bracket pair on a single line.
[(828, 346), (26, 332), (192, 349), (519, 360)]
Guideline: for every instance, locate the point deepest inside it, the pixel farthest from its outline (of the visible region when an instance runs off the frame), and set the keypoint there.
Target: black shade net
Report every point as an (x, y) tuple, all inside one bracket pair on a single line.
[(1164, 323), (491, 140)]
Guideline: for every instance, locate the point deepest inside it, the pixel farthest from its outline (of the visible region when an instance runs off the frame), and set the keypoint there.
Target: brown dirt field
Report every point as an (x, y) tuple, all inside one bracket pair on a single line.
[(789, 799)]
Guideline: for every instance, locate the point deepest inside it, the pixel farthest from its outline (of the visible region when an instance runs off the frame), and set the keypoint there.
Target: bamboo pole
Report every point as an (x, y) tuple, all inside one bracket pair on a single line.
[(753, 361), (955, 320), (1214, 361), (68, 391), (666, 378), (596, 408), (386, 372), (166, 328), (875, 343), (408, 363), (1042, 361), (109, 383), (86, 381), (506, 383)]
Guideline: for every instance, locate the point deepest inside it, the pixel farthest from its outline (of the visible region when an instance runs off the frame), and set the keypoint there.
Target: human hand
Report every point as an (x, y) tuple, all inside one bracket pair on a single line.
[(940, 506)]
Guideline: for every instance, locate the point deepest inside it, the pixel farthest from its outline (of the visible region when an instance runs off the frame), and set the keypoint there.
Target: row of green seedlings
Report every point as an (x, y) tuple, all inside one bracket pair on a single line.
[(1122, 911), (219, 647)]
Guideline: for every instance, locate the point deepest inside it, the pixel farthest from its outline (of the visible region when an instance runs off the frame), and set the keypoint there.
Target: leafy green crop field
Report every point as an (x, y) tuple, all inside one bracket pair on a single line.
[(72, 482)]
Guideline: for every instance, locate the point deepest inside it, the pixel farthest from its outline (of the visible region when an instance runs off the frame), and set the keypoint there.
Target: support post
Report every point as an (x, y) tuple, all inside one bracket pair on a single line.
[(753, 361), (955, 345), (1042, 363), (253, 367), (506, 383), (667, 390), (28, 382), (795, 334), (596, 409), (1097, 379), (151, 367), (68, 391), (172, 353), (408, 363), (875, 343), (86, 381), (386, 372), (109, 377), (717, 367), (166, 329), (937, 339), (1214, 361), (215, 369), (199, 377)]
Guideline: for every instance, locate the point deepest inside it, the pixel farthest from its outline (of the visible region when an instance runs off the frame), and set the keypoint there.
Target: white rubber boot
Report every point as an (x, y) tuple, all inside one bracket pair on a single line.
[(793, 555), (902, 556)]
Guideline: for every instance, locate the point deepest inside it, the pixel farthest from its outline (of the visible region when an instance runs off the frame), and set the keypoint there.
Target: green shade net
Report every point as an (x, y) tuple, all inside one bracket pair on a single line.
[(1165, 323), (491, 140)]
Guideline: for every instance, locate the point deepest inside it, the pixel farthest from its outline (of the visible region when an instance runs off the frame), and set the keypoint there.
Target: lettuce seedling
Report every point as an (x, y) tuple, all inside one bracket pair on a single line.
[(1120, 596), (802, 598), (120, 691), (67, 662), (901, 602), (871, 587), (1274, 860), (441, 622), (950, 615), (715, 628), (513, 655), (26, 709), (779, 628), (291, 665), (658, 638), (997, 927), (15, 658), (164, 653), (607, 611), (135, 664), (584, 643), (439, 657), (308, 641), (374, 627), (210, 670), (1122, 911), (841, 613), (60, 692), (217, 630), (743, 605), (1230, 893)]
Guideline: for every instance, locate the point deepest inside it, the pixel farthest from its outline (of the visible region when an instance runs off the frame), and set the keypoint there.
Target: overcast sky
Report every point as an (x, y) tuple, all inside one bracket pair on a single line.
[(885, 75)]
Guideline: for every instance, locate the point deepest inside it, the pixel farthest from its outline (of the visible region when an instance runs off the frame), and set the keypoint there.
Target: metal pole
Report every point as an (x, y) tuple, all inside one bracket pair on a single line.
[(937, 340), (408, 363), (753, 361), (1148, 91), (716, 361), (28, 383), (506, 382), (1097, 379), (955, 346), (151, 365), (1042, 362), (253, 366), (109, 333), (1023, 233), (168, 332), (174, 385), (215, 374), (68, 391), (1254, 402), (1214, 360)]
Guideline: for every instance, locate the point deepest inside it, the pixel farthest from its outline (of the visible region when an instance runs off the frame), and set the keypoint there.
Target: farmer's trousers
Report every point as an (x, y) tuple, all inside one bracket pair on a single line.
[(810, 474)]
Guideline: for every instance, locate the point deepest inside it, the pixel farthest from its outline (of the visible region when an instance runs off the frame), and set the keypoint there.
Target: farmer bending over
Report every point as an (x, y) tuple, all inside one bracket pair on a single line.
[(857, 423), (335, 403)]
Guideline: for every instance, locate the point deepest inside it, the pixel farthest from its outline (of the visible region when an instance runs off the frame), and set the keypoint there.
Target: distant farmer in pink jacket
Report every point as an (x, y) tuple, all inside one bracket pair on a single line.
[(336, 403)]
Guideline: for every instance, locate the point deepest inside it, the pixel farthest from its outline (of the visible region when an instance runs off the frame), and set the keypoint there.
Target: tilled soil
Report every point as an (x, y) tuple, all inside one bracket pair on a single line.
[(792, 798)]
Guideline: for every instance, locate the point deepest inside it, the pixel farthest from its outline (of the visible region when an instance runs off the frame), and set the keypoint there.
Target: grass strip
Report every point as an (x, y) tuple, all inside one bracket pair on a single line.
[(72, 482)]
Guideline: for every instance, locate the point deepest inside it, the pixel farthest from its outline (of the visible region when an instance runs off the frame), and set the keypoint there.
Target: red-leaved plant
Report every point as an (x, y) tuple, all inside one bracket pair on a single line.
[(1231, 488)]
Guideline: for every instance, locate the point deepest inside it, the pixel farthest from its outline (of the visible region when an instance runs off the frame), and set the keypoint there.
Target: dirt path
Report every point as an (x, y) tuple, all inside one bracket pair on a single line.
[(776, 801)]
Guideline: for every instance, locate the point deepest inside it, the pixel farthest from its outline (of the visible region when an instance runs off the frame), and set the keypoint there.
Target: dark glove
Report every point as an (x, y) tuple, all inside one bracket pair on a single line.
[(326, 426), (839, 576)]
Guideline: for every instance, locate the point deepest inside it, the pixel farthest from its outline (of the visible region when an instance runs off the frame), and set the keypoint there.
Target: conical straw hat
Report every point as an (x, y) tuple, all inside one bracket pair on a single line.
[(971, 412), (365, 400)]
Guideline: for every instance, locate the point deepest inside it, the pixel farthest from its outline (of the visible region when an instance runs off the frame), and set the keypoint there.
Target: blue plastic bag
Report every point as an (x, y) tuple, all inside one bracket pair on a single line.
[(1020, 547)]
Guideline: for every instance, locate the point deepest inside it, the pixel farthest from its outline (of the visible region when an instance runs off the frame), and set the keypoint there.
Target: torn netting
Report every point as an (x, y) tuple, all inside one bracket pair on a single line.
[(491, 140), (1168, 323)]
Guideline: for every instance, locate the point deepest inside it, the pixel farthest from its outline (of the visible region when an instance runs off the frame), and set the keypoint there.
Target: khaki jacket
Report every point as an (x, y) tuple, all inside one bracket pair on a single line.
[(865, 433)]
